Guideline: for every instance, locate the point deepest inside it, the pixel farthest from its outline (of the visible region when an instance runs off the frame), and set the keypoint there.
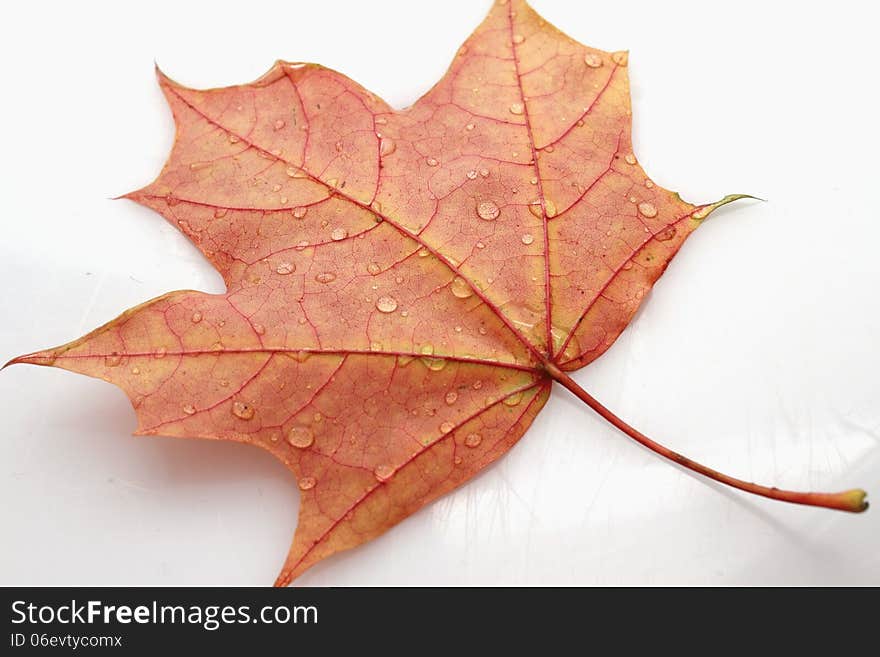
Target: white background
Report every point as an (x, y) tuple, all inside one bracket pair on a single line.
[(757, 352)]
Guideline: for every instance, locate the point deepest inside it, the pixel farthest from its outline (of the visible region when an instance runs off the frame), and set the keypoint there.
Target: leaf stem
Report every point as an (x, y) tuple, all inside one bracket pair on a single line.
[(850, 500)]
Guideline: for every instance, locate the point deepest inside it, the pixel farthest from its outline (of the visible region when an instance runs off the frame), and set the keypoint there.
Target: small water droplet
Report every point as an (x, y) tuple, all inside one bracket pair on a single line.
[(482, 330), (299, 212), (471, 175), (242, 410), (374, 268), (285, 268), (469, 126), (517, 108), (325, 277), (593, 60), (233, 139), (189, 409), (276, 188), (513, 400), (338, 234), (621, 58), (220, 212), (487, 210), (112, 360), (135, 370), (451, 397), (649, 183), (307, 483), (259, 329), (630, 158), (476, 385), (160, 352), (386, 146), (702, 213), (196, 317), (536, 209), (647, 209), (278, 124), (300, 437), (457, 460), (473, 440), (460, 288), (518, 38), (446, 427), (527, 239), (432, 162), (386, 304), (383, 472)]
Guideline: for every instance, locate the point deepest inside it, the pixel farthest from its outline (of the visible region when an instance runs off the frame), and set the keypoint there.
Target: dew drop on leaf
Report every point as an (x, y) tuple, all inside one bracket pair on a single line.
[(383, 472), (307, 483), (338, 234), (386, 304), (592, 60), (487, 210), (242, 410), (460, 288), (647, 209), (473, 440), (300, 437), (325, 277)]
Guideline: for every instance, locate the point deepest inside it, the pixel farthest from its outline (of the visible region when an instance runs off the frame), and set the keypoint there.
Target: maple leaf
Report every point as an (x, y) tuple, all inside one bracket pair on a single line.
[(403, 287)]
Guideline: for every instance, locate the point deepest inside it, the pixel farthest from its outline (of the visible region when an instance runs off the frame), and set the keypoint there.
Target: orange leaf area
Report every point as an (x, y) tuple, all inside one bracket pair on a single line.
[(401, 285)]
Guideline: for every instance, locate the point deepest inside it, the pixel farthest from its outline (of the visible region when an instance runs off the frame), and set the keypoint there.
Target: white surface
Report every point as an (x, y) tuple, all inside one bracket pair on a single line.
[(757, 352)]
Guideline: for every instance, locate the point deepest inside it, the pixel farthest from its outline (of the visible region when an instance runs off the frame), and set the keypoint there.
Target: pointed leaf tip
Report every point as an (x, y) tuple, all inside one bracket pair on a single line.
[(704, 211)]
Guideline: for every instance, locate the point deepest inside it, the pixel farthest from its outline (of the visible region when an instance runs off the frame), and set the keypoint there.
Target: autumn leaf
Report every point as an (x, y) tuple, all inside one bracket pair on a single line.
[(403, 287)]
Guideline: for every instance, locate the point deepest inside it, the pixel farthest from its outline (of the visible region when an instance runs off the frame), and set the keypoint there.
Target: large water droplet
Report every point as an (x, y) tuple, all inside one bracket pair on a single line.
[(647, 209), (386, 146), (386, 304), (592, 60), (242, 410), (300, 437), (460, 288), (487, 210)]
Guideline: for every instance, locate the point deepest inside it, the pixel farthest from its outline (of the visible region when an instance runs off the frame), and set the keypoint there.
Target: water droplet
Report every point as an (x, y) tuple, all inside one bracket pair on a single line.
[(299, 212), (278, 124), (593, 60), (196, 317), (386, 146), (487, 210), (135, 370), (533, 181), (325, 277), (469, 126), (473, 440), (233, 139), (518, 38), (457, 460), (471, 175), (517, 108), (432, 162), (307, 483), (627, 265), (451, 397), (513, 400), (621, 58), (476, 385), (338, 234), (276, 188), (535, 208), (446, 427), (160, 352), (527, 239), (702, 213), (259, 329), (460, 288), (285, 268), (220, 212), (300, 437), (242, 411), (189, 409), (548, 149), (383, 472), (647, 209), (386, 304), (484, 172), (374, 268), (630, 158), (666, 234), (649, 183), (112, 360)]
